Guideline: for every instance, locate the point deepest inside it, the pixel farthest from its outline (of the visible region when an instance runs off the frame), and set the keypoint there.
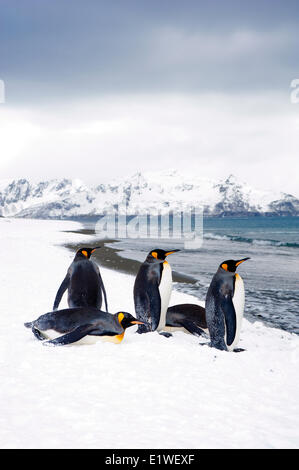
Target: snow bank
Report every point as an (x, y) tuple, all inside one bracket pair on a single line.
[(148, 392)]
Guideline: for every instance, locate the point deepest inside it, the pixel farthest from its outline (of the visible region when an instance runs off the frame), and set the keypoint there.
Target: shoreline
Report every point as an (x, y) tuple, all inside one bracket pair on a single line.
[(108, 257)]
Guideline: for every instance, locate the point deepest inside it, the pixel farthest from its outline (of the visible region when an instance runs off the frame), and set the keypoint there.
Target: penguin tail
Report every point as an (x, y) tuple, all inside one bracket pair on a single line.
[(28, 324)]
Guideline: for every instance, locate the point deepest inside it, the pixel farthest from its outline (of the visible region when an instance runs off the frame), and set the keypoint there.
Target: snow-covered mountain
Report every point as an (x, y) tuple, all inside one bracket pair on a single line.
[(141, 193)]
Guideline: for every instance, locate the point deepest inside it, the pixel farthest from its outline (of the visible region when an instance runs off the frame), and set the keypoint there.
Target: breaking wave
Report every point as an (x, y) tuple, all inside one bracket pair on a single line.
[(251, 241)]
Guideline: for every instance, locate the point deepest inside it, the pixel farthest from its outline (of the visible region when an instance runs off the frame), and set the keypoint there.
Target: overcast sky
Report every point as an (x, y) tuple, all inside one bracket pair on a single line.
[(100, 89)]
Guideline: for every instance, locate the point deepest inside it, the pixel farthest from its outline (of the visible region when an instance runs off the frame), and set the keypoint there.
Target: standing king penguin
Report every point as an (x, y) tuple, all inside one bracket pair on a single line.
[(225, 306), (152, 290), (83, 281)]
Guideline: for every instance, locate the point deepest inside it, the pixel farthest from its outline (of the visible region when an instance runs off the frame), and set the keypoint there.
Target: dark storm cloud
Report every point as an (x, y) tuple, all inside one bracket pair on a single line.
[(57, 48)]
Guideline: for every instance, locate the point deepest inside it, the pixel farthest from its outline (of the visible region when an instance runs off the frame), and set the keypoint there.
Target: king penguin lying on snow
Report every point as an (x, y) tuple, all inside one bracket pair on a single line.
[(189, 318), (83, 281), (225, 306), (84, 324), (152, 290)]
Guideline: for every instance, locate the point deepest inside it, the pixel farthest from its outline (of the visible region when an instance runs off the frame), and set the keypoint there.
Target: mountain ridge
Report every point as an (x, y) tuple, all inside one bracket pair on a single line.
[(148, 192)]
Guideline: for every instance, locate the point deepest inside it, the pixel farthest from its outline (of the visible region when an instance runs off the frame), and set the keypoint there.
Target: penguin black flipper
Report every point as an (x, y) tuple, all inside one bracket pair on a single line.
[(38, 334), (104, 291), (230, 319), (71, 337), (155, 305), (142, 308), (148, 306), (64, 285), (192, 328)]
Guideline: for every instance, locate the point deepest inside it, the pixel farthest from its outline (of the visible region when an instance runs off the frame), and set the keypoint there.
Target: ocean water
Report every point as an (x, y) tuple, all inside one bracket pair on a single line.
[(271, 276)]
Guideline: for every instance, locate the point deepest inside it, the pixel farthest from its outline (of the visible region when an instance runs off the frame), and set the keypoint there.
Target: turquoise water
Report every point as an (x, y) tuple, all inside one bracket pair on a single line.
[(276, 231)]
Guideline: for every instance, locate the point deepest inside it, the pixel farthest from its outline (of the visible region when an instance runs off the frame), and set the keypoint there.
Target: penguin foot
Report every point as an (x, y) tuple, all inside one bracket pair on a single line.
[(38, 334), (220, 347), (164, 333), (140, 332), (205, 344), (236, 350), (143, 329)]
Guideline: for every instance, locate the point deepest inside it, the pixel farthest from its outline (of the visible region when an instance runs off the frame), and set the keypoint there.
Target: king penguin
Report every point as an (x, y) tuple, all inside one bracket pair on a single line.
[(225, 306), (83, 281), (152, 290), (189, 318), (83, 325)]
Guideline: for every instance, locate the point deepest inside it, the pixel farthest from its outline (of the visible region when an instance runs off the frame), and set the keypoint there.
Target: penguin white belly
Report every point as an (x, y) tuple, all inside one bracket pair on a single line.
[(51, 334), (239, 303), (116, 339), (165, 288), (88, 339)]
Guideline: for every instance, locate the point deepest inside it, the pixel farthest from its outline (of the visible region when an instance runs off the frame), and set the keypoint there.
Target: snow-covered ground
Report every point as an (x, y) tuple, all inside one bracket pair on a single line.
[(147, 392)]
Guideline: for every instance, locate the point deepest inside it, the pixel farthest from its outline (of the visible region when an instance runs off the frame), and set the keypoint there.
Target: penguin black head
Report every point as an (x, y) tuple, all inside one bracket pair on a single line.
[(86, 252), (126, 320), (231, 264), (160, 255)]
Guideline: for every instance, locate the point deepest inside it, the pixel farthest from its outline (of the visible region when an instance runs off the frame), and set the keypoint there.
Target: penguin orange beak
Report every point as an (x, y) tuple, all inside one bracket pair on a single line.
[(241, 261), (136, 322), (170, 252), (95, 248)]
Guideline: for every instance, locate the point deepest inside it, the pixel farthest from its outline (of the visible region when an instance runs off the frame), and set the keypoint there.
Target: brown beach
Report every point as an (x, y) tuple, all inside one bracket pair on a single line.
[(109, 258)]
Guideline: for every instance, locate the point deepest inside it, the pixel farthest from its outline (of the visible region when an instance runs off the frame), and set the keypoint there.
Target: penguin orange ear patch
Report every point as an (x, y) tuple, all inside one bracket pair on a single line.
[(155, 254), (120, 317), (85, 253), (224, 266)]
